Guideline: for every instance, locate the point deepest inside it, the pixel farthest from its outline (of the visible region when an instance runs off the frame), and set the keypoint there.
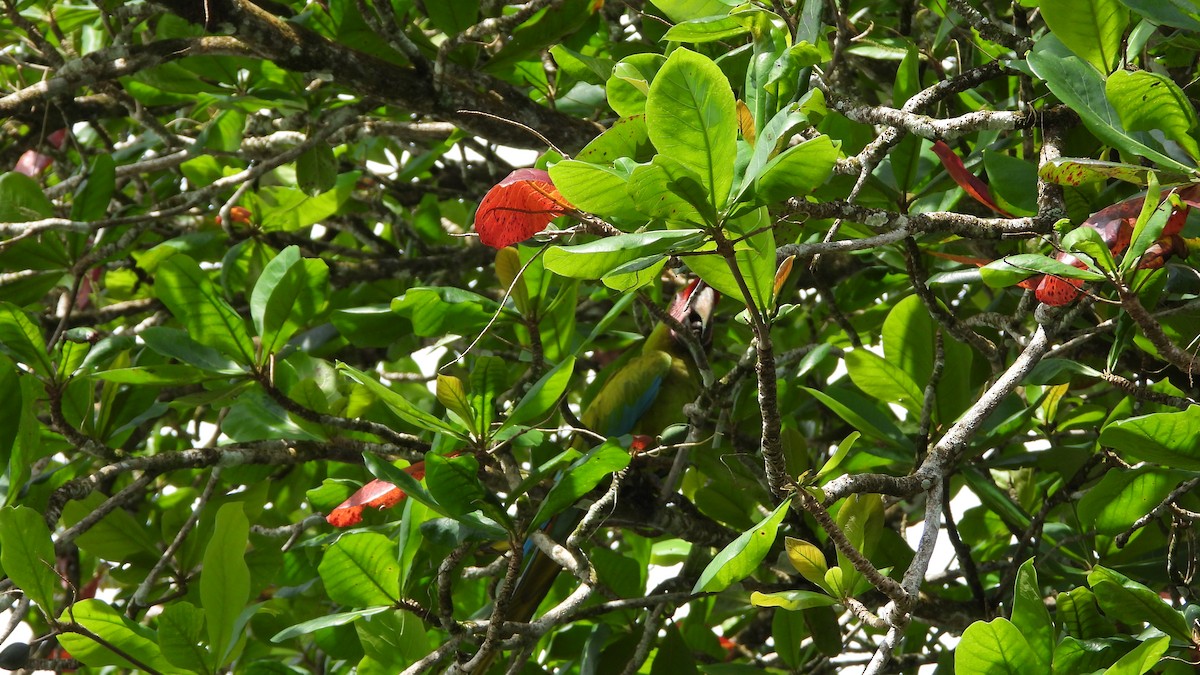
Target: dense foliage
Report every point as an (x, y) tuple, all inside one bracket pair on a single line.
[(238, 282)]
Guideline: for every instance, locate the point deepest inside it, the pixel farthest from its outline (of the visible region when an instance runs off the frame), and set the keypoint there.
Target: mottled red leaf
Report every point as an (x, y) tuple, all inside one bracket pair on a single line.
[(32, 163), (378, 494), (1057, 291), (965, 179), (519, 207)]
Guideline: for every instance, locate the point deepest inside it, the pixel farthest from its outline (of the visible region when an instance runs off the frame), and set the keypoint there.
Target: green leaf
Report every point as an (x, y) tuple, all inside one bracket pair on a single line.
[(595, 259), (707, 29), (454, 483), (1142, 658), (21, 339), (627, 137), (327, 621), (792, 600), (95, 191), (578, 479), (1147, 230), (669, 190), (1147, 101), (1079, 614), (1123, 599), (361, 570), (1169, 438), (755, 258), (1076, 171), (180, 636), (445, 309), (27, 554), (117, 536), (686, 10), (316, 170), (131, 638), (835, 460), (1087, 240), (542, 396), (595, 188), (1030, 616), (1092, 29), (1081, 88), (225, 579), (22, 199), (993, 648), (860, 414), (176, 344), (1013, 269), (1121, 497), (743, 555), (690, 115), (1178, 13), (290, 292), (797, 171), (626, 89), (808, 560), (186, 290), (290, 209), (453, 394), (400, 405), (883, 380), (996, 500)]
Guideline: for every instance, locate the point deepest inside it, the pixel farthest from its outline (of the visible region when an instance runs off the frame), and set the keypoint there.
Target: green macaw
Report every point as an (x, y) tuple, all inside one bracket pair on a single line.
[(644, 396), (648, 392)]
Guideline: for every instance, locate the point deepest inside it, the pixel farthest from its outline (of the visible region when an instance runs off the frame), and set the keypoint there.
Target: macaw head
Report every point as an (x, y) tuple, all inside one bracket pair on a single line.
[(693, 307)]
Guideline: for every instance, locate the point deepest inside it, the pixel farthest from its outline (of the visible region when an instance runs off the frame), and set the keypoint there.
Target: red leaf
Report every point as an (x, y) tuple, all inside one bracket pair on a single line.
[(378, 494), (518, 207), (32, 163), (965, 179), (1057, 291)]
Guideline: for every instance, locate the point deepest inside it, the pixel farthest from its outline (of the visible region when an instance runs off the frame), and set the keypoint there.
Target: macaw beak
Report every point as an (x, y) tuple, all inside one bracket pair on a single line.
[(693, 307)]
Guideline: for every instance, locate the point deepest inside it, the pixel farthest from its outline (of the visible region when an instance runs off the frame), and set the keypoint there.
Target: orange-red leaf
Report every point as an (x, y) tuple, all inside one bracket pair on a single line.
[(378, 494), (518, 207), (1057, 291), (965, 179)]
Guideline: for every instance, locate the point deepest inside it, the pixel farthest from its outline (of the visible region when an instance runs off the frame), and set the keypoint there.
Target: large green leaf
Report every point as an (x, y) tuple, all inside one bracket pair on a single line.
[(883, 380), (1030, 616), (361, 570), (454, 482), (1168, 438), (27, 554), (21, 339), (797, 171), (290, 292), (1092, 29), (1147, 101), (95, 190), (401, 405), (583, 475), (186, 290), (743, 555), (1142, 658), (595, 259), (444, 309), (1013, 269), (995, 647), (180, 637), (225, 579), (595, 188), (691, 118), (1124, 599), (1121, 497), (131, 638), (543, 395), (1078, 85)]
